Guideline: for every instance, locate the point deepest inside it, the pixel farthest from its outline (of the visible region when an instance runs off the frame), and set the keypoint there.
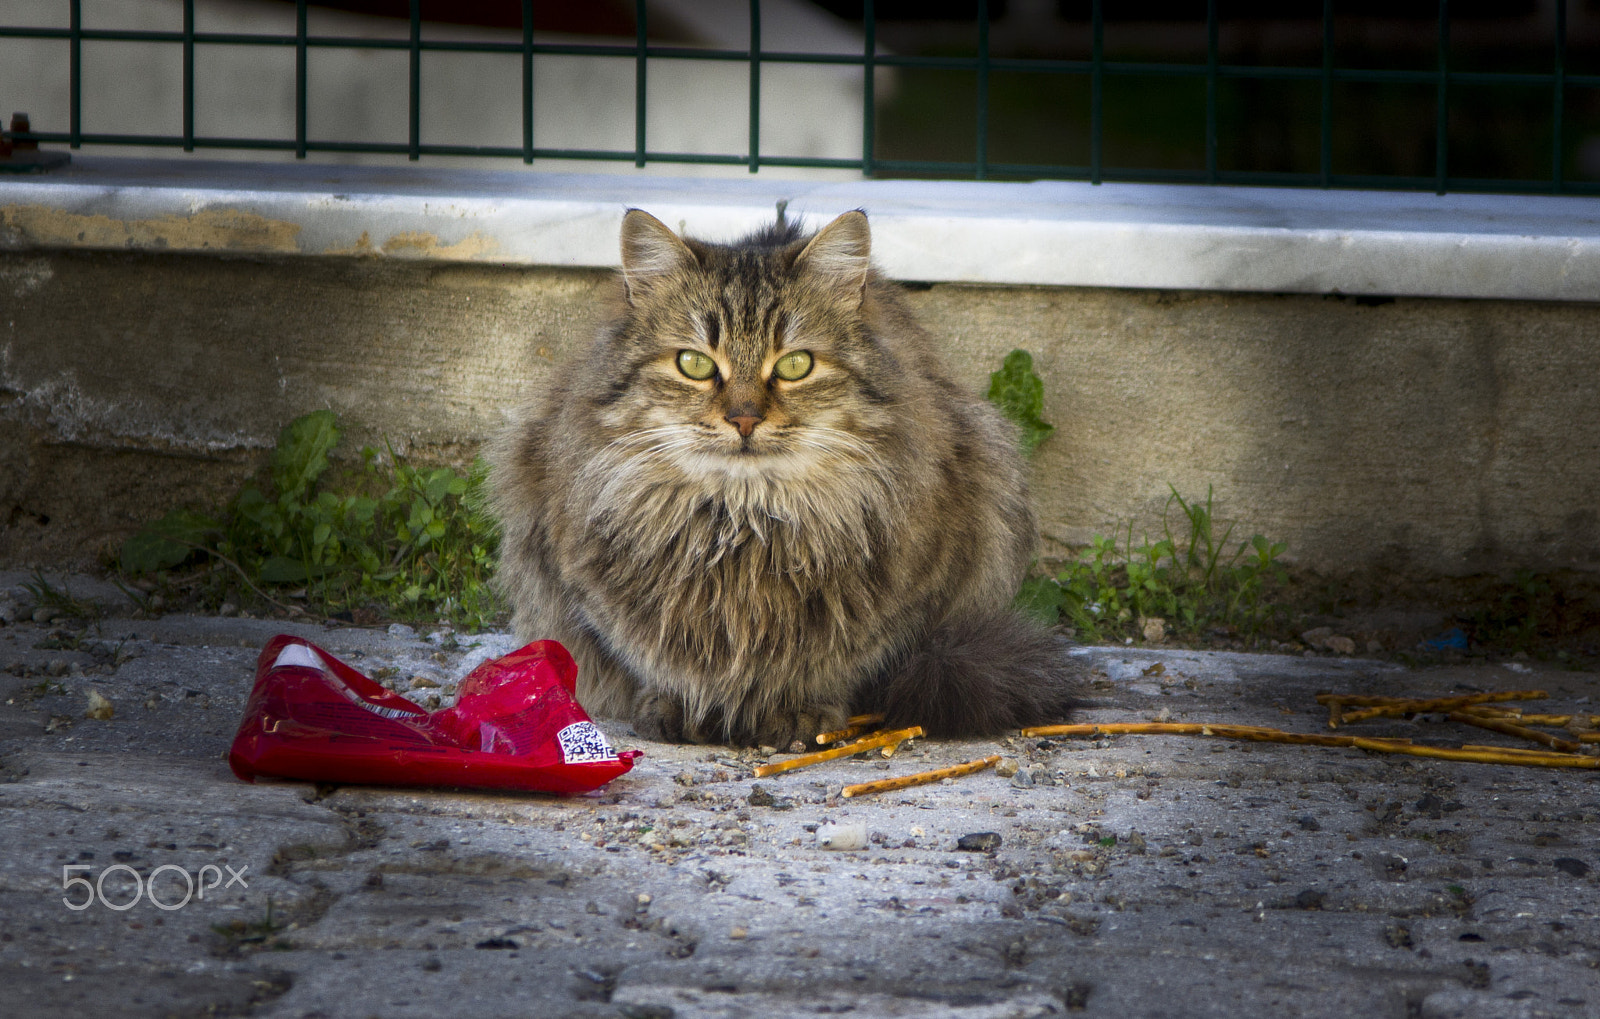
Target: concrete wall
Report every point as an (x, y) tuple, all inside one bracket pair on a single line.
[(1429, 436)]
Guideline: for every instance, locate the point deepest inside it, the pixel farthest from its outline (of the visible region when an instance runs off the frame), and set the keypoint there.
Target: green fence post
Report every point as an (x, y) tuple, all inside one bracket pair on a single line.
[(1096, 73), (527, 81), (869, 96), (188, 75), (416, 81), (1211, 91), (1559, 88), (300, 79), (1442, 102), (755, 85), (75, 59), (981, 163), (1325, 150), (641, 34)]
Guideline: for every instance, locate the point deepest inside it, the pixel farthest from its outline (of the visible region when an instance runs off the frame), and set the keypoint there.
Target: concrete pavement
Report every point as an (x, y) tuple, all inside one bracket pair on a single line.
[(1139, 876)]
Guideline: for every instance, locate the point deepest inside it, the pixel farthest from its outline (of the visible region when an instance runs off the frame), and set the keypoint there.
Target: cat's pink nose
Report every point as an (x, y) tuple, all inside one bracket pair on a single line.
[(746, 423)]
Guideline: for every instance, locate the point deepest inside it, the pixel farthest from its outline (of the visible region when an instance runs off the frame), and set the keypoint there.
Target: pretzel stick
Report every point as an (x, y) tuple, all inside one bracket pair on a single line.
[(1513, 729), (1496, 755), (1487, 748), (1528, 718), (1399, 707), (1335, 711), (1259, 733), (1499, 755), (849, 749), (888, 785), (1439, 703), (835, 735), (852, 727)]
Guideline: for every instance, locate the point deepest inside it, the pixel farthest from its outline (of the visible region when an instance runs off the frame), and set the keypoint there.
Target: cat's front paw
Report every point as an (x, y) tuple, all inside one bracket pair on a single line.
[(659, 717), (783, 728)]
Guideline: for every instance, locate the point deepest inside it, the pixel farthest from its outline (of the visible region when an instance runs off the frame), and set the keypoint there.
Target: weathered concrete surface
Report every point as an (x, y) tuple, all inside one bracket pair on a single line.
[(1419, 437), (1139, 876), (1047, 233)]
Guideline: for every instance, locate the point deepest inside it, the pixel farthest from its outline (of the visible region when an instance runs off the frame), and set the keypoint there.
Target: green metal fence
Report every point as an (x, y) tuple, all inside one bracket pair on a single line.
[(1097, 69)]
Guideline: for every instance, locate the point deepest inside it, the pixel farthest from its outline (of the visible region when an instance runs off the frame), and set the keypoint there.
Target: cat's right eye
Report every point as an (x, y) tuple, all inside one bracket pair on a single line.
[(696, 365)]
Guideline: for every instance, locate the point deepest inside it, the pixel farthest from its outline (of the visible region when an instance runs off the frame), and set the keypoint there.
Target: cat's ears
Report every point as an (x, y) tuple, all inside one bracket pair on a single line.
[(840, 253), (650, 251)]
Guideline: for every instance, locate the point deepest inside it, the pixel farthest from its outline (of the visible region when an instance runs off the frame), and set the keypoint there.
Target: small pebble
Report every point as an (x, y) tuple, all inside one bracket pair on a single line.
[(738, 934), (402, 631), (1007, 766), (42, 614), (100, 708), (227, 608), (423, 683), (979, 842), (59, 667), (842, 837)]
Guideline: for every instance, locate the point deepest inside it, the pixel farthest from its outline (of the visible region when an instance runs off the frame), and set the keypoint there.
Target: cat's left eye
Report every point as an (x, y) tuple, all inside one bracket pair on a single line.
[(696, 365), (793, 366)]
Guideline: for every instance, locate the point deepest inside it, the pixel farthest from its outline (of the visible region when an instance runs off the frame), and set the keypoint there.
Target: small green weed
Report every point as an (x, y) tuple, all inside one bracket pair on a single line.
[(1019, 393), (45, 595), (1526, 607), (416, 541), (242, 932), (1188, 579)]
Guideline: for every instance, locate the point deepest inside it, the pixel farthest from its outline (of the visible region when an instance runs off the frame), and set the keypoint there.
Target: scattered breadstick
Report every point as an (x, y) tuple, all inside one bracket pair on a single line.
[(1529, 718), (1259, 733), (1399, 706), (866, 743), (835, 735), (1498, 755), (887, 785), (853, 726), (1439, 703), (1491, 749), (1511, 728), (1478, 755)]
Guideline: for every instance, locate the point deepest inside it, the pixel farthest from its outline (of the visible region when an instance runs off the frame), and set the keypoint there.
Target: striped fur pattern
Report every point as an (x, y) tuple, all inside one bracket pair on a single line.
[(858, 549)]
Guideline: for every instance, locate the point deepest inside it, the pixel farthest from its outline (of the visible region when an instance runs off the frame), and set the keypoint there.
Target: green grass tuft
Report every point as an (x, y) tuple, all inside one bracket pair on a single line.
[(396, 540)]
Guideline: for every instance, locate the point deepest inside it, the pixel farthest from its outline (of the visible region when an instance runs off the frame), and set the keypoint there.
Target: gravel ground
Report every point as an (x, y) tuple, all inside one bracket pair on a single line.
[(1143, 875)]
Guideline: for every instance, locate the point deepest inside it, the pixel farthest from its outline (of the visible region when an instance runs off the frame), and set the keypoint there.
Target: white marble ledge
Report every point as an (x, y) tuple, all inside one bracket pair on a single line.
[(1046, 233)]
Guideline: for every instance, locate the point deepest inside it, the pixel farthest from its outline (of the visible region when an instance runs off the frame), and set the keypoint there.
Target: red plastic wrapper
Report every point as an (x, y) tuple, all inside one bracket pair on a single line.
[(517, 724)]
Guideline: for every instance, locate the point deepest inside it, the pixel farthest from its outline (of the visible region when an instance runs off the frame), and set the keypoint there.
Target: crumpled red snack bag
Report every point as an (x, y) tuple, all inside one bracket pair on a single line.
[(517, 724)]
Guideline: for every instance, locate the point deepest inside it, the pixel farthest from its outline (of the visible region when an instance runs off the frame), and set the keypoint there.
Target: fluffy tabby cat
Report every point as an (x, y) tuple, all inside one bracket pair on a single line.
[(758, 503)]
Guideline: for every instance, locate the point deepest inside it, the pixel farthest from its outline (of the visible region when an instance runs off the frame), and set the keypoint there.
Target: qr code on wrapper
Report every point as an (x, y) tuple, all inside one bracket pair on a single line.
[(582, 742)]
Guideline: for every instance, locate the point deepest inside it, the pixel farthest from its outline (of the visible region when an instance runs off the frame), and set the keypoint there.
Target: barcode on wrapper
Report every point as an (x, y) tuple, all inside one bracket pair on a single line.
[(582, 742)]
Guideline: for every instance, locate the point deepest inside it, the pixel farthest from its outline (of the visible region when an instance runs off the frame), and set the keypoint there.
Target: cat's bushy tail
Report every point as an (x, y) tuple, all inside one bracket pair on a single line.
[(979, 677)]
